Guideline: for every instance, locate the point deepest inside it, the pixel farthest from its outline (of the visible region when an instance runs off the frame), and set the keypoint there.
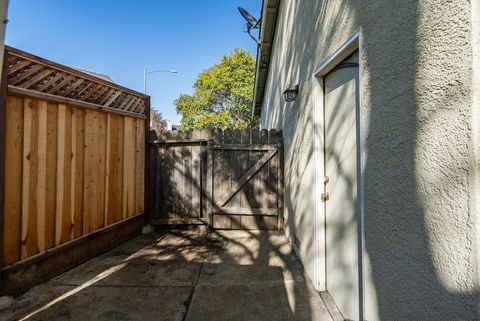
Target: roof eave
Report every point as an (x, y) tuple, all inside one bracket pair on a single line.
[(267, 33)]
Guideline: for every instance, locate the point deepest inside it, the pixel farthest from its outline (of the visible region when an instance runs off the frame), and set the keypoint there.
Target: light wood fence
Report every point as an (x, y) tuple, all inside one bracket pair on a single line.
[(68, 172), (71, 165)]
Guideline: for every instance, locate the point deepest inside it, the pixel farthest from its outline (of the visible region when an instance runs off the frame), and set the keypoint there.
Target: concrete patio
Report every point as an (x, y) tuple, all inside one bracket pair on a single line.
[(180, 275)]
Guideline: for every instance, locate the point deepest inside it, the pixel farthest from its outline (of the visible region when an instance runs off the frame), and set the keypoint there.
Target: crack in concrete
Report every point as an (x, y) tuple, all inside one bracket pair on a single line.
[(188, 303)]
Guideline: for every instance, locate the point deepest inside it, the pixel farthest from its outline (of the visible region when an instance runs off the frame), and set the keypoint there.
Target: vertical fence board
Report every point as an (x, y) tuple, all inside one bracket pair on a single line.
[(169, 176), (163, 171), (30, 176), (166, 167), (187, 180), (244, 165), (94, 167), (255, 182), (51, 174), (263, 175), (13, 180), (63, 219), (42, 175), (101, 168), (217, 167), (114, 192), (160, 193), (129, 168), (119, 168), (177, 186), (272, 188), (90, 164), (208, 199), (107, 216), (196, 181), (236, 138), (78, 142), (228, 167), (140, 167)]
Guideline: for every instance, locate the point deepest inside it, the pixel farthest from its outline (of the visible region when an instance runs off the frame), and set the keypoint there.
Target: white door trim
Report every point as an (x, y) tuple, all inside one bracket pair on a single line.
[(353, 43)]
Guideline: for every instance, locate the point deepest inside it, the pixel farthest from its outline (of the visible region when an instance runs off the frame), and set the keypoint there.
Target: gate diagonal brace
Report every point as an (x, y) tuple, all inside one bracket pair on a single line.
[(225, 198)]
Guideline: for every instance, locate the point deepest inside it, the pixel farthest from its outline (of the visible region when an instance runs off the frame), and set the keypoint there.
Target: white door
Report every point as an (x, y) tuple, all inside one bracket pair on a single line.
[(341, 208)]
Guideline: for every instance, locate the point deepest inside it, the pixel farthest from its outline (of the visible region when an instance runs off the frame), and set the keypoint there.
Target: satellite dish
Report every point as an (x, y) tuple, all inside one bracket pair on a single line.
[(251, 24)]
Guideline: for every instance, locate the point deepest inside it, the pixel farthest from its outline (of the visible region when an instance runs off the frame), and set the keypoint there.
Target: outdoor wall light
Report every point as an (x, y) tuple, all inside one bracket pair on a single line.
[(291, 93)]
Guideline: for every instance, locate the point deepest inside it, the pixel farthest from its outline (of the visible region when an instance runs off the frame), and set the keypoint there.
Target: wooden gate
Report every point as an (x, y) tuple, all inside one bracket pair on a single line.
[(228, 179)]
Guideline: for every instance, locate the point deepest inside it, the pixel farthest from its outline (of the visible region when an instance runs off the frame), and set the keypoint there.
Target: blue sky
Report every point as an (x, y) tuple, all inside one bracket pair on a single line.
[(121, 38)]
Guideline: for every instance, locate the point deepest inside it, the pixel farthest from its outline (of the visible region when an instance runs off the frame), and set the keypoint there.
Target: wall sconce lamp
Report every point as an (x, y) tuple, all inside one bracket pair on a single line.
[(291, 93)]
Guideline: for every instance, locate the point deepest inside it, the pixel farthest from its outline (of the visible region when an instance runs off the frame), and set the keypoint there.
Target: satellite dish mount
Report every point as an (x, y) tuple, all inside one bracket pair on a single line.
[(251, 24)]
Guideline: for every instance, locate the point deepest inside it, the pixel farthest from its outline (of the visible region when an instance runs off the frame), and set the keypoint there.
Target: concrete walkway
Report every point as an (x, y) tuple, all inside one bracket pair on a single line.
[(180, 275)]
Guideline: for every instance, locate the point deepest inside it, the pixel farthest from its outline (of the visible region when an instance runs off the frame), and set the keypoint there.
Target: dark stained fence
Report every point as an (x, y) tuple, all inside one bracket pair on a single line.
[(228, 179), (178, 175)]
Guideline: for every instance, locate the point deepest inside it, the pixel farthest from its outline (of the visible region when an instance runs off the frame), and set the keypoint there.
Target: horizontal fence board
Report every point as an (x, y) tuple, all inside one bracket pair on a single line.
[(21, 275), (21, 92), (245, 147), (244, 222), (245, 211), (179, 142)]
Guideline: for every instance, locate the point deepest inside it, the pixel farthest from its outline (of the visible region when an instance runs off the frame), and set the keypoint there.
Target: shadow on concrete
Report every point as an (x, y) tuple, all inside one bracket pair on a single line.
[(180, 275)]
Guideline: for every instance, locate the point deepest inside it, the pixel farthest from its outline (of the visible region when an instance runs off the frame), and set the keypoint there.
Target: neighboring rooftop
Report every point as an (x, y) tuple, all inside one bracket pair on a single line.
[(96, 74)]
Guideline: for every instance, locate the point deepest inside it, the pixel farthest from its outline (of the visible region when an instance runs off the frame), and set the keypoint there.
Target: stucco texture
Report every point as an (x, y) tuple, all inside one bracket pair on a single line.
[(417, 142)]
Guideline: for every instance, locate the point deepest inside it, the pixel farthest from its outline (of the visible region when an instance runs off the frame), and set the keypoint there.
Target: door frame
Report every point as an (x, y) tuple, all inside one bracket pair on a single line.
[(353, 43)]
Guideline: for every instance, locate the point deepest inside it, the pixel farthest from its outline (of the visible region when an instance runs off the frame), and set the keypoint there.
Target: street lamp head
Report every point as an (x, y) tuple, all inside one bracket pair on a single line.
[(146, 72)]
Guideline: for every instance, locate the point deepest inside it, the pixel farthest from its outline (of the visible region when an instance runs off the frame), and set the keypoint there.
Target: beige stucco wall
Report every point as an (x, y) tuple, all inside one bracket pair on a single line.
[(418, 143), (475, 123)]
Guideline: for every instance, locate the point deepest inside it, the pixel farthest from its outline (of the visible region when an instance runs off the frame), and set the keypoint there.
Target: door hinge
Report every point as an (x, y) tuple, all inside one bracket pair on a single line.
[(324, 197)]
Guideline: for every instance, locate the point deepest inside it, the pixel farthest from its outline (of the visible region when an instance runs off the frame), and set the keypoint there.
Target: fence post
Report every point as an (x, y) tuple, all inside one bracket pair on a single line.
[(146, 179), (3, 110)]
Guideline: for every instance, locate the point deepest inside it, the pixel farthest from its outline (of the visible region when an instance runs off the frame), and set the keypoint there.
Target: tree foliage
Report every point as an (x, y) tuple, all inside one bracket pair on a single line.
[(159, 124), (223, 95)]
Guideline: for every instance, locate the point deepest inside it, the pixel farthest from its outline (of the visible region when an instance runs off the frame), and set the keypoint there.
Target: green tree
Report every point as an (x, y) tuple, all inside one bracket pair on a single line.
[(223, 95)]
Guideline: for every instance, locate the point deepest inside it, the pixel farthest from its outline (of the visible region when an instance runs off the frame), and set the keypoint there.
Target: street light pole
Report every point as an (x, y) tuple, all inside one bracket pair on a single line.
[(145, 81), (145, 73)]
